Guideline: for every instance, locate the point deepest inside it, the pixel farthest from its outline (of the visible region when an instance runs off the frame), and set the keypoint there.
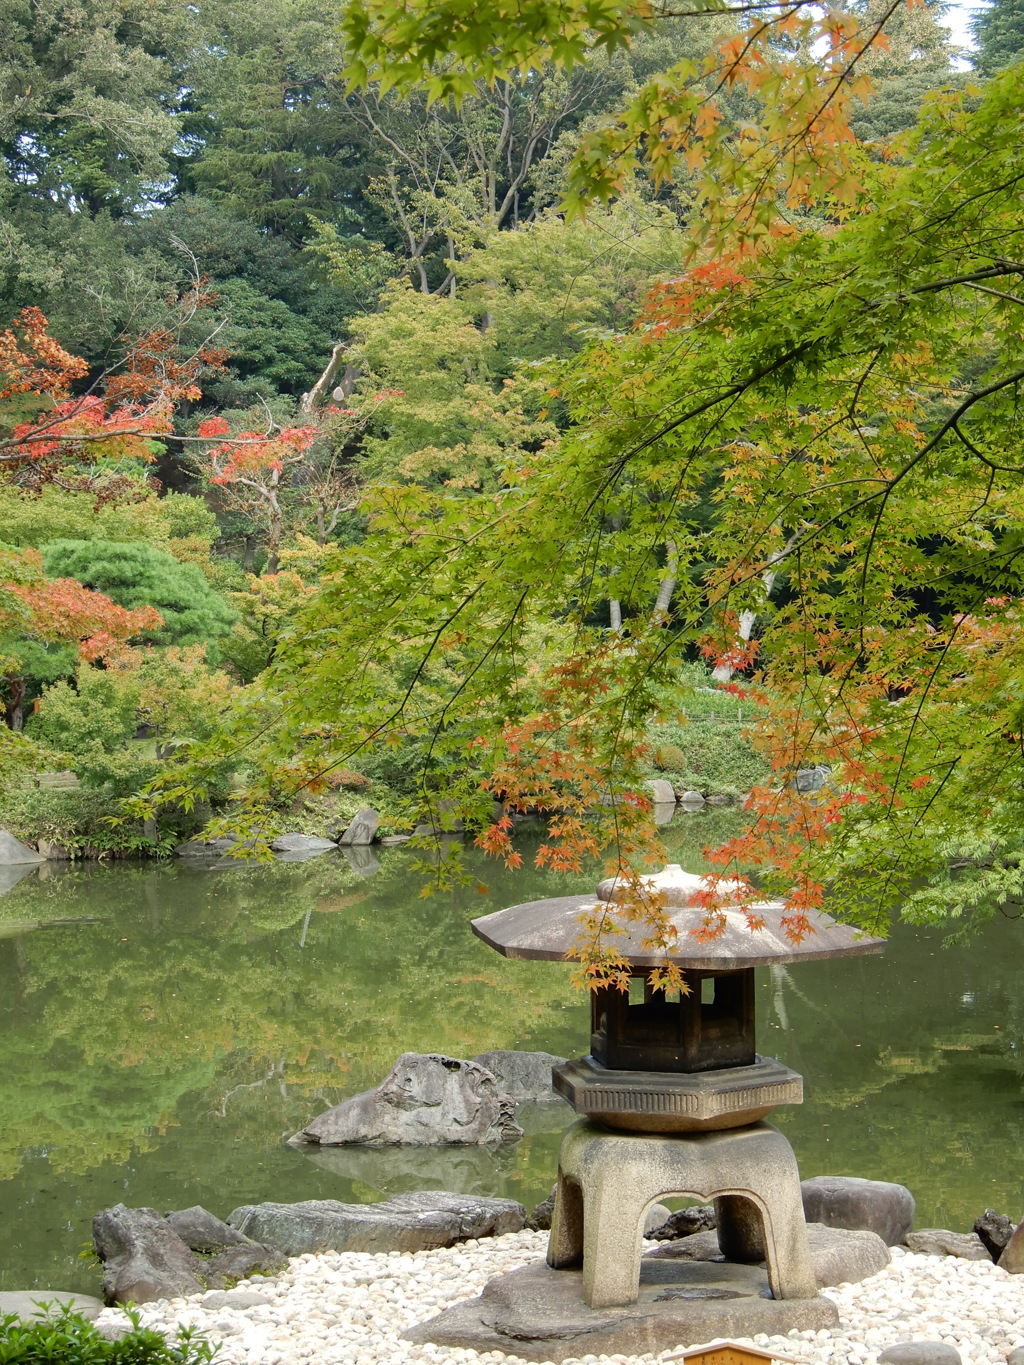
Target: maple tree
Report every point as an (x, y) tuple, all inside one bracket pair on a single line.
[(38, 612), (847, 401), (800, 65), (118, 418)]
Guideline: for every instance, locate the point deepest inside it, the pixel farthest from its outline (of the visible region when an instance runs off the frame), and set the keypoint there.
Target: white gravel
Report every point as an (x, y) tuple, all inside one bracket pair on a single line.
[(350, 1308)]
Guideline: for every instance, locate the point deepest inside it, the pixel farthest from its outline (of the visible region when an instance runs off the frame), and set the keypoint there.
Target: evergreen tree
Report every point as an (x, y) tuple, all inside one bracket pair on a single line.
[(999, 32), (133, 574)]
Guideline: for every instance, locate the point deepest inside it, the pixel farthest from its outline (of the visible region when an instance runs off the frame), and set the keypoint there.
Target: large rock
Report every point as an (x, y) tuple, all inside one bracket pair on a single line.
[(143, 1257), (425, 1099), (31, 1305), (839, 1256), (523, 1075), (841, 1201), (941, 1242), (662, 792), (422, 1221), (995, 1230), (537, 1313), (202, 1231), (361, 828), (13, 852)]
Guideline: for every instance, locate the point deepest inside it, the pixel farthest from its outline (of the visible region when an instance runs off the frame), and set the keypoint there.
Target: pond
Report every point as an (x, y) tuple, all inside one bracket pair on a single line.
[(164, 1028)]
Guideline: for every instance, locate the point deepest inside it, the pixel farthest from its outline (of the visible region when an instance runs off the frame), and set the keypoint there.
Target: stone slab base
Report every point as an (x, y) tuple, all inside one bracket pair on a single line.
[(539, 1314), (24, 1303)]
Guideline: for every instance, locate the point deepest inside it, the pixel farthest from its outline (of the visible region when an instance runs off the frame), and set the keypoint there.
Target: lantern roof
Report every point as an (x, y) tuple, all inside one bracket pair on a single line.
[(548, 930)]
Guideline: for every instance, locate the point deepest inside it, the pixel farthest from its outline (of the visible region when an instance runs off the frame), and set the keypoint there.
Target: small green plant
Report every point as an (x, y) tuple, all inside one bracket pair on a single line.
[(69, 1339)]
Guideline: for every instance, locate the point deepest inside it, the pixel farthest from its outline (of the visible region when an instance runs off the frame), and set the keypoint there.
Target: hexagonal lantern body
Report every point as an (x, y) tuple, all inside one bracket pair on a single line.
[(708, 1027), (686, 1063)]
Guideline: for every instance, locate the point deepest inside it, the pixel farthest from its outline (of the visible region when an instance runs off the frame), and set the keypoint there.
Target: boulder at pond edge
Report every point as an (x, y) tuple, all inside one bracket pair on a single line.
[(423, 1221), (841, 1201)]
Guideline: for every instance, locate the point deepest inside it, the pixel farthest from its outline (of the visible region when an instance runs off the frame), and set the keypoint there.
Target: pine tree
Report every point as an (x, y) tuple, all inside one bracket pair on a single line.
[(999, 32)]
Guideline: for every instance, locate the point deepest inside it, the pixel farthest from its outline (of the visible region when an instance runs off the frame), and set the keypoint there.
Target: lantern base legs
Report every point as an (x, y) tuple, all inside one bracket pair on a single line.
[(606, 1182)]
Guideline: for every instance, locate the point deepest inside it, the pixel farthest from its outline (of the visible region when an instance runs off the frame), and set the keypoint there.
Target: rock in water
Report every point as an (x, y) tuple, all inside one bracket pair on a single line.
[(426, 1099), (995, 1230), (685, 1222), (662, 792), (968, 1246), (143, 1257), (841, 1201), (410, 1222), (14, 852), (361, 828), (539, 1217), (920, 1353), (301, 843), (202, 1231), (523, 1075)]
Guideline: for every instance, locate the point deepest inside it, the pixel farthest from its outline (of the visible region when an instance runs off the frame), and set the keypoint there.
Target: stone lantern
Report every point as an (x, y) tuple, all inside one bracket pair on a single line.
[(673, 1094)]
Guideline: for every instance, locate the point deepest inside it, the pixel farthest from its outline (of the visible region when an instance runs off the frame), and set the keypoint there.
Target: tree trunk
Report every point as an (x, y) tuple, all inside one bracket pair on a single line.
[(615, 615), (249, 554), (16, 705)]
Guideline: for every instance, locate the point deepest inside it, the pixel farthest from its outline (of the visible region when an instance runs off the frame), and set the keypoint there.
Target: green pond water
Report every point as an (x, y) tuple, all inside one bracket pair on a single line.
[(164, 1028)]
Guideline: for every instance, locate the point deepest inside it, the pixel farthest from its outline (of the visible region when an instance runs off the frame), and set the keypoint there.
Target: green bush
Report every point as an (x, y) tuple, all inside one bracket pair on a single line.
[(68, 1339), (77, 818)]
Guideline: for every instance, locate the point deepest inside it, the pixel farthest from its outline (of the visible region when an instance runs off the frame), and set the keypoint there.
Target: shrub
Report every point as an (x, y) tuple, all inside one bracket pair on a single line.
[(68, 1339), (77, 818)]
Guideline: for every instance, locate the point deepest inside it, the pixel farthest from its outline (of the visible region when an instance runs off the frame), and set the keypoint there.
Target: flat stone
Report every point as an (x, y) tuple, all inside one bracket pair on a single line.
[(995, 1230), (393, 840), (203, 1231), (538, 1313), (26, 1303), (920, 1353), (235, 1298), (693, 799), (421, 1221), (361, 828), (839, 1256), (841, 1201), (13, 852), (662, 792), (941, 1242), (523, 1075), (1012, 1257), (426, 1099)]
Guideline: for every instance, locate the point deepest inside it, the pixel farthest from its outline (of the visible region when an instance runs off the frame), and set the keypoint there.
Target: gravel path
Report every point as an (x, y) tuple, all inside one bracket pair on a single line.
[(350, 1309)]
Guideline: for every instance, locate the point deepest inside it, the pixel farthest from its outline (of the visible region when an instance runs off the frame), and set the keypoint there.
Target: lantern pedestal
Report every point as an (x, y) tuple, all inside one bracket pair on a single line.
[(606, 1181)]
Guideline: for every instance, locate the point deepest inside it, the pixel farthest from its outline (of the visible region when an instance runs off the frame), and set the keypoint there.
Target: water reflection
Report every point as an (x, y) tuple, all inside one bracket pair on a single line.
[(165, 1029)]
